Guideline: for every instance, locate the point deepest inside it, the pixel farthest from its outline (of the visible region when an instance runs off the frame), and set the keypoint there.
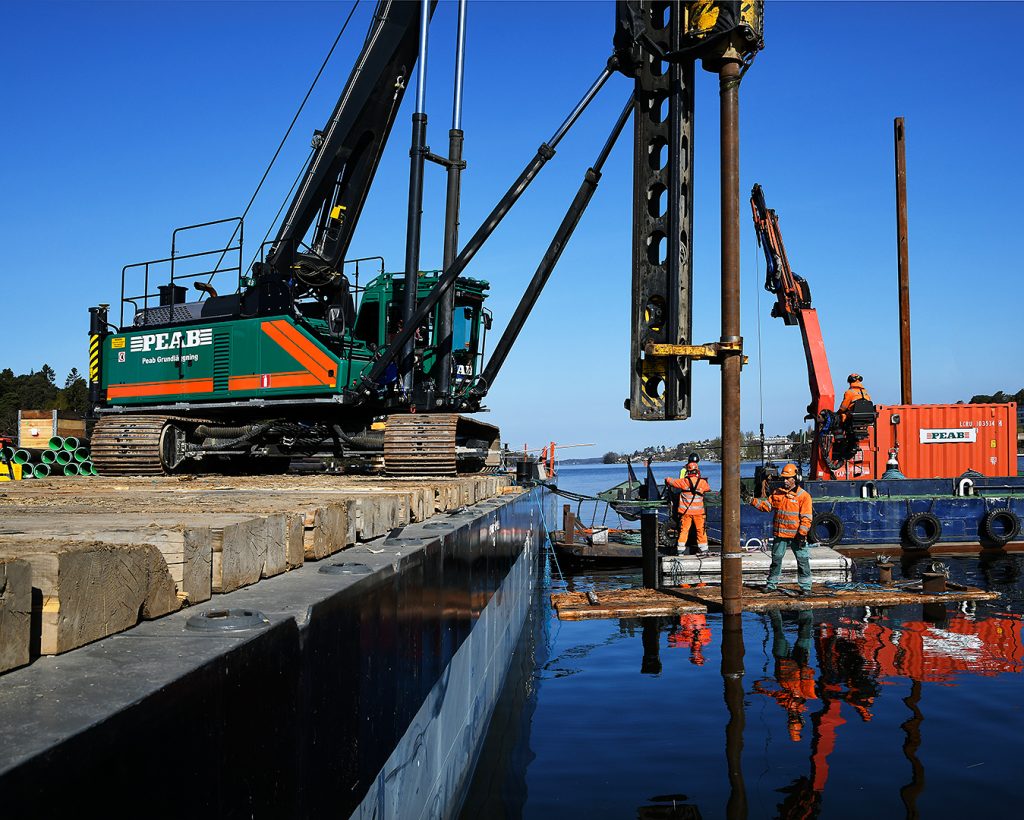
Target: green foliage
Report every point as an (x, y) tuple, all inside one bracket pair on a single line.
[(39, 391), (999, 397), (611, 457)]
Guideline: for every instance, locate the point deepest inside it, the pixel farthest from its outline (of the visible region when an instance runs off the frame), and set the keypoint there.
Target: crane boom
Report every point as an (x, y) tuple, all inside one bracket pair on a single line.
[(793, 303), (349, 148)]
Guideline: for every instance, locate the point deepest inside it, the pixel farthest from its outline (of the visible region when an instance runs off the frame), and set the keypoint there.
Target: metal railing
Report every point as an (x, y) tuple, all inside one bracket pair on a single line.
[(175, 276)]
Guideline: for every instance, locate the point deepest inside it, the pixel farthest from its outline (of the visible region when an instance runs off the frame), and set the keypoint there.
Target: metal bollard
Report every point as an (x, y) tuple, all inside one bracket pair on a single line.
[(884, 566), (933, 581)]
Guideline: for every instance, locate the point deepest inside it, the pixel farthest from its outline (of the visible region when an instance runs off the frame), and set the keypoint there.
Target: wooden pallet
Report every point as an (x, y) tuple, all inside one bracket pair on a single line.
[(643, 603), (621, 603), (755, 599)]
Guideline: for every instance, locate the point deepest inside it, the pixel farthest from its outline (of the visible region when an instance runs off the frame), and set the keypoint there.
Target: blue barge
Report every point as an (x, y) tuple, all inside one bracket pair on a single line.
[(914, 513)]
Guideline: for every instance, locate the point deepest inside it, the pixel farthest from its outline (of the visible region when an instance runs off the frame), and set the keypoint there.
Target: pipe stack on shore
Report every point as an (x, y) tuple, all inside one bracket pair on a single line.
[(63, 456)]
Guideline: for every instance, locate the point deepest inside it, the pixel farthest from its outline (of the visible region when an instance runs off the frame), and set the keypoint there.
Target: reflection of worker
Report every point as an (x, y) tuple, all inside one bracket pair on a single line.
[(695, 633), (793, 671), (691, 488), (854, 392), (792, 506)]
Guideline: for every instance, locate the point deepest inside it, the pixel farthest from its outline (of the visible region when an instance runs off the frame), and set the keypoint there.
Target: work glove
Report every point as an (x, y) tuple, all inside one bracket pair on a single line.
[(800, 541)]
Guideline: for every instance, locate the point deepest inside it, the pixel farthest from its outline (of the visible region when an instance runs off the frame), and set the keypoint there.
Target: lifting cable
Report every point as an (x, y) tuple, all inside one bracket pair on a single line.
[(273, 159), (760, 360)]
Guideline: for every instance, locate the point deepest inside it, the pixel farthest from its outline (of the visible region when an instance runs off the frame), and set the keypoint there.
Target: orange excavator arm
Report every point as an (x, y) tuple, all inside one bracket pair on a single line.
[(793, 303)]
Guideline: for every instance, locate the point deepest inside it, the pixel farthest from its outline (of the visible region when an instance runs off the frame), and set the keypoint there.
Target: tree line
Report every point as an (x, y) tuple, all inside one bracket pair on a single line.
[(794, 447), (38, 390)]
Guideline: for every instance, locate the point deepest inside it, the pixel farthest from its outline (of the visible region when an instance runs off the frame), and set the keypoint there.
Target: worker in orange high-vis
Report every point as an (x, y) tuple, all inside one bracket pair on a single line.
[(691, 486), (792, 506), (854, 392)]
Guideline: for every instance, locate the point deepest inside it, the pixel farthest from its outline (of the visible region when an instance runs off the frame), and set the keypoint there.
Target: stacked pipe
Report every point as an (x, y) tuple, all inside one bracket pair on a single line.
[(63, 456)]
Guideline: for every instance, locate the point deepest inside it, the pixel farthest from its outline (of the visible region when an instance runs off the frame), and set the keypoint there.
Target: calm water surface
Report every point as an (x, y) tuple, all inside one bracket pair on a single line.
[(840, 713)]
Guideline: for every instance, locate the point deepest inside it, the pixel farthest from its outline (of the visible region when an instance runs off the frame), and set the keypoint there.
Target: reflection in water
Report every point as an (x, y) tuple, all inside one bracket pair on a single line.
[(595, 738), (651, 663), (912, 728), (732, 679), (793, 673), (693, 631)]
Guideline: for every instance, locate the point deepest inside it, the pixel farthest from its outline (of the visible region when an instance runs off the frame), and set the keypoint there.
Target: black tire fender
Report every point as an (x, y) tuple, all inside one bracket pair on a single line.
[(1000, 525), (831, 523), (922, 529)]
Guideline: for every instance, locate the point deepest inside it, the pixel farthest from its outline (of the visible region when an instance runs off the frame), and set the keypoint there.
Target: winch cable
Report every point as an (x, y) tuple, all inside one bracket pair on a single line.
[(760, 358), (287, 133), (284, 203)]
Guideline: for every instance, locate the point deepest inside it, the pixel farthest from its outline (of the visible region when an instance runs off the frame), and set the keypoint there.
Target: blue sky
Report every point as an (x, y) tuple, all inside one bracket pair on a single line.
[(125, 120)]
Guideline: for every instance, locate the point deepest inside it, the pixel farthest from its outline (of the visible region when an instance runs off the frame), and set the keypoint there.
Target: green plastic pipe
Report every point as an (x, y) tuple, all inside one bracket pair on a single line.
[(71, 469), (41, 471), (22, 456), (48, 456), (56, 443), (64, 457), (86, 468), (71, 444), (82, 454)]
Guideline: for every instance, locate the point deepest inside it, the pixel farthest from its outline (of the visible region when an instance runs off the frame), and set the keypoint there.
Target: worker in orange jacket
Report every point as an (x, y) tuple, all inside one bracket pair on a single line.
[(691, 486), (792, 506), (854, 392)]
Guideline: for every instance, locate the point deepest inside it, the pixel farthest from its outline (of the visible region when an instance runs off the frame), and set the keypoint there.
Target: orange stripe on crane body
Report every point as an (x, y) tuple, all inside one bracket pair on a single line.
[(306, 344), (165, 388), (298, 378), (287, 340)]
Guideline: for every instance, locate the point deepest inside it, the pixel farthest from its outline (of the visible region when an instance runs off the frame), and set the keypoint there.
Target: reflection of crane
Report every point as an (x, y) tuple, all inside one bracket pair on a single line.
[(839, 447)]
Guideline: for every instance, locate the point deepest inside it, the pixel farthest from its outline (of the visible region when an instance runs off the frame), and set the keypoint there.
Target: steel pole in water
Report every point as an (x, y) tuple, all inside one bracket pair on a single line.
[(732, 569), (906, 393)]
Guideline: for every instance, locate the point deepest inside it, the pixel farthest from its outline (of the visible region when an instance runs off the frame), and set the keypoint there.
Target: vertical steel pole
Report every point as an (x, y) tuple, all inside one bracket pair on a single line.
[(732, 570), (446, 306), (732, 679), (906, 392), (417, 156)]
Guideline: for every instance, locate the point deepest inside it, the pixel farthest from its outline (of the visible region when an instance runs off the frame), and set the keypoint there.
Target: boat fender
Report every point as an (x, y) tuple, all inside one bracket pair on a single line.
[(1000, 525), (922, 529), (965, 487), (827, 529)]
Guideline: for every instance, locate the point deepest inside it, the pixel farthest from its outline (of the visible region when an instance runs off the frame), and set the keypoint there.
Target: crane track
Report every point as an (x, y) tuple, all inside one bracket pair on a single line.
[(420, 444), (426, 443), (130, 445)]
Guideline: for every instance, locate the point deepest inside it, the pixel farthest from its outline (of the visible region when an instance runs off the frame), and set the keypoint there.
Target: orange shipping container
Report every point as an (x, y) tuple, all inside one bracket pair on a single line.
[(944, 440)]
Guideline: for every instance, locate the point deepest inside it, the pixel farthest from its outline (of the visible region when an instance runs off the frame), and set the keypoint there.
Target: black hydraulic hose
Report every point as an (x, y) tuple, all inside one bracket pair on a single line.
[(365, 440), (550, 259), (241, 434), (429, 302)]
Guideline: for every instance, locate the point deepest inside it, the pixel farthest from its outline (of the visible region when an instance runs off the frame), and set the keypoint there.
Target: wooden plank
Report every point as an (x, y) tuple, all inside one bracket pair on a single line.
[(326, 531), (15, 612), (756, 599), (240, 553), (184, 541), (621, 603), (88, 590)]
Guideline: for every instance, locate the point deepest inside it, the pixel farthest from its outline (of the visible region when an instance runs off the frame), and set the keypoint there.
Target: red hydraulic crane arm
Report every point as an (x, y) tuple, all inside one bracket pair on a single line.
[(793, 303)]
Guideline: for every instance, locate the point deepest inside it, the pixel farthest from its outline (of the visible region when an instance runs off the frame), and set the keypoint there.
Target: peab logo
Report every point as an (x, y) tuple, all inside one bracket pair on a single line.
[(172, 341), (949, 436)]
